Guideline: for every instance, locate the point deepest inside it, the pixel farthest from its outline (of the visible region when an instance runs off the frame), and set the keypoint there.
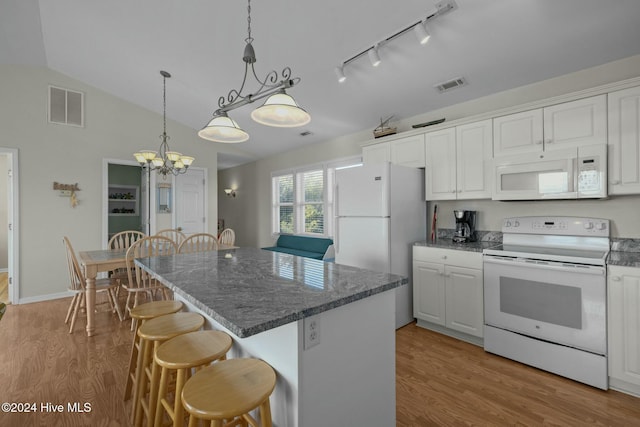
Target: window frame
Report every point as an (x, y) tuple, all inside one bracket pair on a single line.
[(328, 204)]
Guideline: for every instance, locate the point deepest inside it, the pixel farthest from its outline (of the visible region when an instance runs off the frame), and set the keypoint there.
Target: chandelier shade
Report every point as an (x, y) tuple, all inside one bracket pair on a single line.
[(164, 161)]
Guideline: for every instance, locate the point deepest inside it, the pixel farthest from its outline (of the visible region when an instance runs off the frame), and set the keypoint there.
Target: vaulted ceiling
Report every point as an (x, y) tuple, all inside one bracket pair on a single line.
[(120, 46)]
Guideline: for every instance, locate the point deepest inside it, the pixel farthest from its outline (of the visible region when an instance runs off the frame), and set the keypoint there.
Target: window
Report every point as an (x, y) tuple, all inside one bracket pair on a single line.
[(283, 197), (303, 199), (311, 202)]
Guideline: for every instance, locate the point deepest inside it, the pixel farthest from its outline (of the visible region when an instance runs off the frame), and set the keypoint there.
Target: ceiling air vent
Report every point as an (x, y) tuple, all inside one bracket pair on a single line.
[(451, 84)]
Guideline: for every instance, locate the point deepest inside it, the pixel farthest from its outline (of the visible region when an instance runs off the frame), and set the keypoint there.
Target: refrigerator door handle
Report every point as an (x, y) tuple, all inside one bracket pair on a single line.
[(336, 241)]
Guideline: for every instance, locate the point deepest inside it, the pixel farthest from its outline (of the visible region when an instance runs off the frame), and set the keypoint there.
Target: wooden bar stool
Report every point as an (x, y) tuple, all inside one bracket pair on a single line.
[(153, 333), (225, 392), (139, 315), (181, 354)]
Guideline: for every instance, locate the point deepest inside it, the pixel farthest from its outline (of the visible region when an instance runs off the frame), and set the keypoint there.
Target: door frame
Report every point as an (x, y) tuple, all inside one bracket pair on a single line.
[(13, 217), (105, 196)]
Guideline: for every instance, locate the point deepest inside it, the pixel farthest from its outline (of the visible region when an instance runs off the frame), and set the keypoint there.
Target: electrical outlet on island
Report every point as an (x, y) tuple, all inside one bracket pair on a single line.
[(311, 331)]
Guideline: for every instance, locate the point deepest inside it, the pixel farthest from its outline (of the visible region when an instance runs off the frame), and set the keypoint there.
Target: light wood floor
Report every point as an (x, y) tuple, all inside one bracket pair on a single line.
[(440, 381)]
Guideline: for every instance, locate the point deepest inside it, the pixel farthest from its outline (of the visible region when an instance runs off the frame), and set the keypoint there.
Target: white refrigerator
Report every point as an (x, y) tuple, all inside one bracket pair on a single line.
[(380, 212)]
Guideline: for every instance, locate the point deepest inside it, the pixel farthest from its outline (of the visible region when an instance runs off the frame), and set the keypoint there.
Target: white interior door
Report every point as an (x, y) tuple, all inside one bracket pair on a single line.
[(190, 204)]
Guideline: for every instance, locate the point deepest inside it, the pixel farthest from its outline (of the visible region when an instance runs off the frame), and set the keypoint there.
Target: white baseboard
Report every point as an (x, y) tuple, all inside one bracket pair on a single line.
[(48, 297), (4, 270)]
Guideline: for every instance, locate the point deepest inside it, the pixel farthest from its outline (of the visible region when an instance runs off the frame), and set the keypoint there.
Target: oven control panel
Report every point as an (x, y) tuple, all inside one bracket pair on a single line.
[(561, 225)]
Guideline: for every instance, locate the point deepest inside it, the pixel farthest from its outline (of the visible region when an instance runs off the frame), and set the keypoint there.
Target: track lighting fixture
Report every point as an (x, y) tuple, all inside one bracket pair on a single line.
[(419, 28), (340, 73), (373, 56), (422, 33)]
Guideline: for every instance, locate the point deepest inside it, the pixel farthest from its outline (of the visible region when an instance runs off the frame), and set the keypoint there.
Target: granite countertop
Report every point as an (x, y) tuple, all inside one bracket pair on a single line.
[(624, 252), (486, 239), (249, 290)]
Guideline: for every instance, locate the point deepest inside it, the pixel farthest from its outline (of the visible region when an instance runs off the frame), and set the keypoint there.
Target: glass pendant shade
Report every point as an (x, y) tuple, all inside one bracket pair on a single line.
[(222, 128), (281, 110), (187, 160), (174, 156)]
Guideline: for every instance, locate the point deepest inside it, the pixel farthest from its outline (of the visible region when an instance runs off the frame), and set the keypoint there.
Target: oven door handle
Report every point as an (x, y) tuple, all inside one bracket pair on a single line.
[(547, 265)]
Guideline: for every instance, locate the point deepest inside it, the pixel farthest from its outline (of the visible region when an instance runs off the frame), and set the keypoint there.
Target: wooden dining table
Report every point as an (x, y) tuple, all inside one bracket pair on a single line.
[(103, 260), (95, 262)]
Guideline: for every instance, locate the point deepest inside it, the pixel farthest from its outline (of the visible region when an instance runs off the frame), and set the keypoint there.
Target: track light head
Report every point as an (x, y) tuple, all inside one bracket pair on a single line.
[(340, 73), (373, 56), (422, 32)]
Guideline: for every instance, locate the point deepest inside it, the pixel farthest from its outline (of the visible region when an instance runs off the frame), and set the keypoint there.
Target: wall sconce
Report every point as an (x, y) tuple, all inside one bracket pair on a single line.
[(230, 192)]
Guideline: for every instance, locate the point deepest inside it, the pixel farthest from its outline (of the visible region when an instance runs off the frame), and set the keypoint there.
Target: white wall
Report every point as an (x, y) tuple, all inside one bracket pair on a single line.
[(4, 214), (113, 129), (255, 177)]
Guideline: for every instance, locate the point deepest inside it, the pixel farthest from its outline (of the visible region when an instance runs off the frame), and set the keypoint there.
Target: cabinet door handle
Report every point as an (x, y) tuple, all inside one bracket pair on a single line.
[(615, 278), (548, 141), (539, 142), (444, 257), (614, 182)]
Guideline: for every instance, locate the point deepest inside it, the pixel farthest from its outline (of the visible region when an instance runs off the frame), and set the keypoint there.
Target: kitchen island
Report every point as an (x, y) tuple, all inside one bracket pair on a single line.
[(327, 329)]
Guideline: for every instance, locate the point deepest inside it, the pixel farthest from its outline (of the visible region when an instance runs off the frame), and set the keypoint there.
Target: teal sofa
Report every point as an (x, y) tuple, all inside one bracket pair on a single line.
[(309, 247)]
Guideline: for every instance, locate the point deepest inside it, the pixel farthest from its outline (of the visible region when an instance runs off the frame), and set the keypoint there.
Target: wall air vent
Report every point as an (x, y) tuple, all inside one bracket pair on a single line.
[(66, 107), (451, 84)]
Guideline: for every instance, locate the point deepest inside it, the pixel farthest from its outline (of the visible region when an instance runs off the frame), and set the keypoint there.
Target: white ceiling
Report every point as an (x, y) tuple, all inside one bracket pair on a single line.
[(120, 46)]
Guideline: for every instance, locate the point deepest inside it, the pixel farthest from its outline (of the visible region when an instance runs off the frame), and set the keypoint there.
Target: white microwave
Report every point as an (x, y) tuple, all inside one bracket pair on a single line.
[(568, 173)]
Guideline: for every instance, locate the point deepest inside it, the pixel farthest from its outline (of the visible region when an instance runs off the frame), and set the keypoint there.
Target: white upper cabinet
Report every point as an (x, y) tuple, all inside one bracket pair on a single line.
[(624, 141), (458, 162), (517, 133), (474, 176), (408, 151), (570, 124), (440, 164), (577, 123), (376, 153)]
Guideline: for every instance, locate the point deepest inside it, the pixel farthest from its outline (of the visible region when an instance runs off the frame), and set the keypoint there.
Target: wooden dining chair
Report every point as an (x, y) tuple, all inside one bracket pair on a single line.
[(124, 239), (198, 242), (78, 287), (120, 241), (176, 235), (227, 237), (139, 281), (3, 308)]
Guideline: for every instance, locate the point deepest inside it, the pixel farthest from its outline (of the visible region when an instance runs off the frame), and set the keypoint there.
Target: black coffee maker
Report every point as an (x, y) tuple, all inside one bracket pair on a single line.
[(465, 226)]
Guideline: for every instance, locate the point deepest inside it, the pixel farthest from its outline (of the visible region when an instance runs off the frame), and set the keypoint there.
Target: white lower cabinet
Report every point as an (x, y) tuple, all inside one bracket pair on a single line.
[(623, 286), (447, 286)]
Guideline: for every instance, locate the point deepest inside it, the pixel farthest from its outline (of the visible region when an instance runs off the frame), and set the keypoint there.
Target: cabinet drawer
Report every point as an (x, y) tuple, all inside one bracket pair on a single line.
[(448, 256)]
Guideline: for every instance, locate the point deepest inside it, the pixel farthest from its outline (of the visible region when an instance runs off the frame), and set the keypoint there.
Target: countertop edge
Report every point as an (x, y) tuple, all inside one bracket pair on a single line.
[(271, 324)]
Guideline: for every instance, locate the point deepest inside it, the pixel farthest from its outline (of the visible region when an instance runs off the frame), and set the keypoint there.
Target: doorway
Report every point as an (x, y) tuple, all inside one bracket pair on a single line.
[(9, 218), (125, 198)]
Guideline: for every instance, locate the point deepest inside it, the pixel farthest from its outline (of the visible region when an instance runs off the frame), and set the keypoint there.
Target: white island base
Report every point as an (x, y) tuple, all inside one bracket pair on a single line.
[(346, 379)]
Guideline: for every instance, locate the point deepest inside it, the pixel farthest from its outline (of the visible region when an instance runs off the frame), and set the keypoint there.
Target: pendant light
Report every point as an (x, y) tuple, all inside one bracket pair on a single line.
[(279, 109)]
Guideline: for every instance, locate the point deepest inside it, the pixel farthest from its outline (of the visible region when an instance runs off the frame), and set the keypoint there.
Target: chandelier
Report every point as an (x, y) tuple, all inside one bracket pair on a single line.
[(164, 161), (279, 110)]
